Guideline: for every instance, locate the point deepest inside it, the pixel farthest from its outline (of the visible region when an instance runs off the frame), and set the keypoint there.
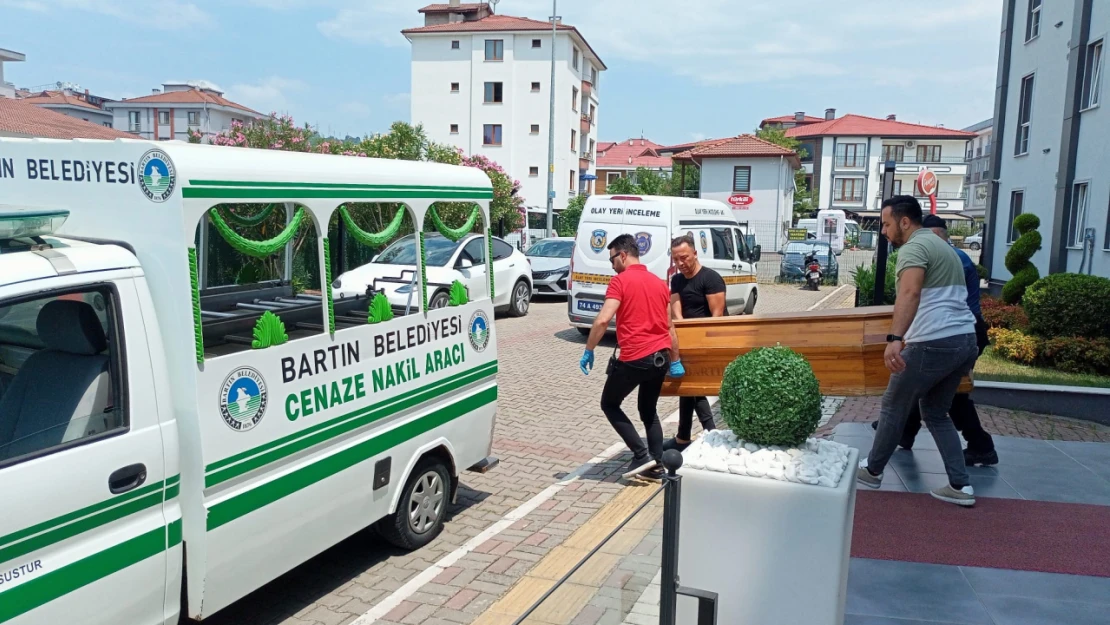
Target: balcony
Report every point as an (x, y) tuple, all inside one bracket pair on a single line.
[(586, 125), (587, 88), (855, 163), (584, 163)]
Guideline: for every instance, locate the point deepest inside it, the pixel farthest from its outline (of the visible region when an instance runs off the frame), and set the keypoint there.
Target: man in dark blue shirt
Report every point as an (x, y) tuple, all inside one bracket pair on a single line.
[(980, 446)]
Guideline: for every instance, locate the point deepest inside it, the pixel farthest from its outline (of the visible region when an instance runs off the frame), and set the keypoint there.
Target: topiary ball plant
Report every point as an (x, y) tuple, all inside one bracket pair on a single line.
[(1017, 259), (770, 396)]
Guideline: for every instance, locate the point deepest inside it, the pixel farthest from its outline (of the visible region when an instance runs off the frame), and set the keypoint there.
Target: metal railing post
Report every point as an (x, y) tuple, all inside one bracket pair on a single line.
[(672, 494)]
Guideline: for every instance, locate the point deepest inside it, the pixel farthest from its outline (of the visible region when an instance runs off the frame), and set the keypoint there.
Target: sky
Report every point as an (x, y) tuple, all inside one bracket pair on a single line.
[(678, 70)]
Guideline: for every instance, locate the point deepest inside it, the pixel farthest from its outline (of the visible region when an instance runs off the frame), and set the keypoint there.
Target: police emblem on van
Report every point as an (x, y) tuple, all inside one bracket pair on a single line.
[(157, 176), (597, 240), (478, 331), (243, 399), (643, 242)]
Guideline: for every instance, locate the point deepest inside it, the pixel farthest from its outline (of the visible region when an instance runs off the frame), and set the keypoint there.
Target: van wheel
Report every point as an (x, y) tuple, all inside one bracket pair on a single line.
[(520, 298), (439, 300), (749, 308), (422, 508)]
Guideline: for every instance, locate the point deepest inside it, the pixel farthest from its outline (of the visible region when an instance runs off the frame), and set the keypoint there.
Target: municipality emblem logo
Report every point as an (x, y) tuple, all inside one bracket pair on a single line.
[(157, 175), (704, 243), (479, 331), (243, 399), (598, 240), (643, 242)]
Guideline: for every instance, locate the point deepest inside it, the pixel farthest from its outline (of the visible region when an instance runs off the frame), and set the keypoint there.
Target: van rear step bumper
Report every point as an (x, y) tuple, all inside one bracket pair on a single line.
[(485, 464)]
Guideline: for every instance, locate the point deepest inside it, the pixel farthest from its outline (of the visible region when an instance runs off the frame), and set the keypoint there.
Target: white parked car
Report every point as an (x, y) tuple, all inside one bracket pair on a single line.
[(394, 269), (974, 241), (550, 261)]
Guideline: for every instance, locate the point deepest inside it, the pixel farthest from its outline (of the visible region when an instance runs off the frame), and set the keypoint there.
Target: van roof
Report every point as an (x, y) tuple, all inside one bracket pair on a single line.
[(685, 210), (22, 266)]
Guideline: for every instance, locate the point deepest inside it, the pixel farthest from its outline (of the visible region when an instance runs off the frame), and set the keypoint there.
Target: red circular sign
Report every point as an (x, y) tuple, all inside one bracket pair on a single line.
[(741, 200), (927, 182)]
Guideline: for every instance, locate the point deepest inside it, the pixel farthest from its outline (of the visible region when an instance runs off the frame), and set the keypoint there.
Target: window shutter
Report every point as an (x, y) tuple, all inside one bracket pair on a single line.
[(741, 179)]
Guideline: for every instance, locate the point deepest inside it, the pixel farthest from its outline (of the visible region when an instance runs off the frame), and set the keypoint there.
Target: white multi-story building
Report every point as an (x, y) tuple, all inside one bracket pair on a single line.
[(7, 89), (481, 82), (70, 99), (846, 156), (1050, 136), (178, 108), (978, 180)]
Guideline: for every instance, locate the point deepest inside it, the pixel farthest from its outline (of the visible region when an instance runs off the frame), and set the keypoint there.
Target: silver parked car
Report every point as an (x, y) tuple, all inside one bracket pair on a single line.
[(550, 261)]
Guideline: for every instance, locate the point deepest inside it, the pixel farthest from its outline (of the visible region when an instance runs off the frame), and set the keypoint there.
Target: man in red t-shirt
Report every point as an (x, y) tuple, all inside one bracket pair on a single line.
[(640, 302)]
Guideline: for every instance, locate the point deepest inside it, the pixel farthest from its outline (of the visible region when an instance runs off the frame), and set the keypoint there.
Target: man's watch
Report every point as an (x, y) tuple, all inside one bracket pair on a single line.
[(890, 338)]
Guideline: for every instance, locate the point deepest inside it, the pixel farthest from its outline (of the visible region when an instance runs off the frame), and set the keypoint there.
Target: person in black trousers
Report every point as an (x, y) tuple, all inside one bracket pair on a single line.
[(696, 292), (980, 446)]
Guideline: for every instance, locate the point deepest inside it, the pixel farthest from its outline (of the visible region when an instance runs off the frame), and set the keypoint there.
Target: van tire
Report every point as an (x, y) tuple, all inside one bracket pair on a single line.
[(427, 493), (519, 298), (749, 307)]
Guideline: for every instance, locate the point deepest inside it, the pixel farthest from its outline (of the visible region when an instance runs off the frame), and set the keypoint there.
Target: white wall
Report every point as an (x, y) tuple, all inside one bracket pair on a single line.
[(212, 120), (1093, 156), (772, 189), (93, 117)]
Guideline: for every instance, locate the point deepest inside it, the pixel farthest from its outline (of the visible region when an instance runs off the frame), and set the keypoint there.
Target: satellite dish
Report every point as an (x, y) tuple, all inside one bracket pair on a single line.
[(493, 5)]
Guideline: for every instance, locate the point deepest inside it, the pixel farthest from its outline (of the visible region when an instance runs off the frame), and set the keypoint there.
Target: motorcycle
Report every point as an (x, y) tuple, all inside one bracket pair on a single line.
[(812, 271)]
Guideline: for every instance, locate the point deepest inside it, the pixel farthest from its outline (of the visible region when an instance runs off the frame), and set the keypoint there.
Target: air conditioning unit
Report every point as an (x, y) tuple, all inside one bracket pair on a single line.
[(911, 144)]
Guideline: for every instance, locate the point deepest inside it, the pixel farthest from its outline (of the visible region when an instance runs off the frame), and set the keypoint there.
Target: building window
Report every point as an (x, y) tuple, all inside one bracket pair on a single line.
[(163, 118), (134, 123), (1017, 203), (535, 129), (1033, 20), (573, 140), (1078, 218), (194, 118), (533, 171), (574, 99), (611, 176), (494, 93), (741, 179), (1092, 75), (848, 190), (575, 62), (454, 87), (896, 153), (851, 155), (535, 87), (536, 43), (897, 187), (928, 154), (108, 124), (1025, 110), (491, 134), (495, 49), (571, 187), (455, 44), (454, 129)]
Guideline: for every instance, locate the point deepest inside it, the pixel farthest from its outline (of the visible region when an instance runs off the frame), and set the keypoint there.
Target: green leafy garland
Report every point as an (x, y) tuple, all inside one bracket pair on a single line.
[(372, 239), (269, 330), (198, 334), (454, 233), (423, 273), (380, 310), (458, 296), (250, 221), (327, 286), (257, 249)]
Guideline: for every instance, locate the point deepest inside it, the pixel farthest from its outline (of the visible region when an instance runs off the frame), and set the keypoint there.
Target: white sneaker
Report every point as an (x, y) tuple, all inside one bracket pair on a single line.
[(961, 497)]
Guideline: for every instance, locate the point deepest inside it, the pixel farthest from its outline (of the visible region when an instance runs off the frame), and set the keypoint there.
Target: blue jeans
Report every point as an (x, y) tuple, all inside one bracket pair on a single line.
[(932, 375)]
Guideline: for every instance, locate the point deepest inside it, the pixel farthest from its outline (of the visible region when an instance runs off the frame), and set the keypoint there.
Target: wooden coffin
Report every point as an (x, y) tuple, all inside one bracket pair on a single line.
[(844, 346)]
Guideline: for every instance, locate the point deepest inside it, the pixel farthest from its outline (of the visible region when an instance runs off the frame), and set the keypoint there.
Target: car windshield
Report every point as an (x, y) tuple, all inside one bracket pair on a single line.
[(805, 248), (552, 248), (439, 250)]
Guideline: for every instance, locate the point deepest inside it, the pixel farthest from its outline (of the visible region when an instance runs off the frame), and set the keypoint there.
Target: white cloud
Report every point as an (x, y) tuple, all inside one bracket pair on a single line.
[(270, 94), (163, 15)]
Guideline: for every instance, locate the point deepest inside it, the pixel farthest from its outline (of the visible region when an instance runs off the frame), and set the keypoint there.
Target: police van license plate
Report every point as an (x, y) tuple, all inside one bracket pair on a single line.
[(589, 306)]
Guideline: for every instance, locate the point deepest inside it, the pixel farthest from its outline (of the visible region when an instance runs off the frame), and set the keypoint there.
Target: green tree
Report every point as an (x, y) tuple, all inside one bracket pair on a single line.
[(675, 186), (647, 182), (567, 223), (621, 186), (805, 199)]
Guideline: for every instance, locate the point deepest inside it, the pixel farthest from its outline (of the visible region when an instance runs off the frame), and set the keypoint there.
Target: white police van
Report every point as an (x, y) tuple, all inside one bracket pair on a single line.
[(169, 443), (654, 220)]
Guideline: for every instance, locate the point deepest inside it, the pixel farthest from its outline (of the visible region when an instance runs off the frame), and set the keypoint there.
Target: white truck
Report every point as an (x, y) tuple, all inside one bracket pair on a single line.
[(169, 444)]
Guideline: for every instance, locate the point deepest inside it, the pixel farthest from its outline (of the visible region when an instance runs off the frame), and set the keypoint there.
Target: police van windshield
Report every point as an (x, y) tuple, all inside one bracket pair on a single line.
[(439, 250)]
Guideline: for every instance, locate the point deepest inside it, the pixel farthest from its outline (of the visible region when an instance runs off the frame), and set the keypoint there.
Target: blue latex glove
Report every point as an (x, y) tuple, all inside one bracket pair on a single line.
[(587, 362), (677, 370)]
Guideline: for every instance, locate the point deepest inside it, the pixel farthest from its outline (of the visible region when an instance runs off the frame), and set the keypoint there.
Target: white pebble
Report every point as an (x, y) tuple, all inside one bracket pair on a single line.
[(816, 462)]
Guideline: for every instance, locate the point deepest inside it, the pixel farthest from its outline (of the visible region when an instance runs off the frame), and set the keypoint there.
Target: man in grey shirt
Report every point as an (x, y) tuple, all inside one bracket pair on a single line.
[(930, 349)]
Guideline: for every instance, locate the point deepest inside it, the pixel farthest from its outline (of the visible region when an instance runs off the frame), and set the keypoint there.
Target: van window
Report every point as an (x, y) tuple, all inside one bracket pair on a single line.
[(58, 372), (722, 244), (742, 246)]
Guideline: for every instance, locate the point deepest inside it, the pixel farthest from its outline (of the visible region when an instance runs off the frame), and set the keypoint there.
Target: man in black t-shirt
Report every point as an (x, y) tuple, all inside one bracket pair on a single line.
[(696, 292)]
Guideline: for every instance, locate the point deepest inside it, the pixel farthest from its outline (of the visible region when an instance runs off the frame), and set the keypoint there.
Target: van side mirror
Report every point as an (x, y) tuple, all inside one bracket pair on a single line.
[(757, 253)]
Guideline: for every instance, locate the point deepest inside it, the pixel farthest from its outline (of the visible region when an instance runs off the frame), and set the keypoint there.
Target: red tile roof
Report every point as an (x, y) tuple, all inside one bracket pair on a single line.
[(447, 8), (498, 23), (786, 119), (188, 96), (631, 153), (19, 117), (60, 98), (861, 126), (743, 146)]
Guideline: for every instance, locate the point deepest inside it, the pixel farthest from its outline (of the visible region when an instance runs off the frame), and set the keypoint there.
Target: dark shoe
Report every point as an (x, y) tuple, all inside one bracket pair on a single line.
[(875, 425), (906, 443), (652, 475), (639, 466), (986, 459), (672, 443)]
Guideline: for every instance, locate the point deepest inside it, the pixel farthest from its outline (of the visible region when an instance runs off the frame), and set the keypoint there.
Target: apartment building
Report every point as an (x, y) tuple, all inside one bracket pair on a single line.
[(621, 159), (69, 99), (1050, 136), (482, 82), (978, 177), (7, 89), (176, 109), (845, 157)]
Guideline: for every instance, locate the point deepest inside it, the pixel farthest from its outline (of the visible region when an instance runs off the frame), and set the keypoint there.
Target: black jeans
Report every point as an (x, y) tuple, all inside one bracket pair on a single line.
[(963, 413), (626, 376), (687, 406)]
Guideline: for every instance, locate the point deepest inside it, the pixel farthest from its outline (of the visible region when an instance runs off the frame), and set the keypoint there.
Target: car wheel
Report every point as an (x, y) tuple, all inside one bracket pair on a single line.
[(439, 300), (519, 300), (749, 307), (973, 247), (422, 508), (584, 331)]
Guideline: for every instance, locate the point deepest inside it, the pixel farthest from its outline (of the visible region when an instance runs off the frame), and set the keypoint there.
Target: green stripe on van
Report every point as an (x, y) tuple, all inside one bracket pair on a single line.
[(220, 470), (265, 494), (298, 193), (42, 590)]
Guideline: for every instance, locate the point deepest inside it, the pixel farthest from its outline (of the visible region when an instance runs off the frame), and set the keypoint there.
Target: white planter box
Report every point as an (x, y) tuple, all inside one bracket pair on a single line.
[(776, 553)]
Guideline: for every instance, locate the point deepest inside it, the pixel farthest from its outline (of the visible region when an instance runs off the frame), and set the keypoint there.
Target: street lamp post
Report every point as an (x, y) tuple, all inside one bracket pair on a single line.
[(551, 126)]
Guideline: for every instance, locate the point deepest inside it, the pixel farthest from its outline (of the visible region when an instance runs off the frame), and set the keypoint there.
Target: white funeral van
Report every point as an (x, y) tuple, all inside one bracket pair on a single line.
[(654, 221), (167, 444)]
